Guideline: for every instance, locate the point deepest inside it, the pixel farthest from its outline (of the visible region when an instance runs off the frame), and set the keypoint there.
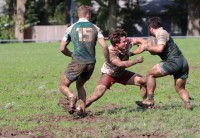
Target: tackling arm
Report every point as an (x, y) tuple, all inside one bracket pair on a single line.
[(141, 43), (125, 64)]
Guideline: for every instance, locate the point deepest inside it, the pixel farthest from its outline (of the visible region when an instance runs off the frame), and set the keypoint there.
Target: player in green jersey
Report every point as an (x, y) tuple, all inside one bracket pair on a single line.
[(84, 35), (173, 63)]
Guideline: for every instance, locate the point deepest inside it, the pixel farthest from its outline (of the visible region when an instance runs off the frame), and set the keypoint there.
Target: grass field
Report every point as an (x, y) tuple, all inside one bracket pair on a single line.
[(29, 97)]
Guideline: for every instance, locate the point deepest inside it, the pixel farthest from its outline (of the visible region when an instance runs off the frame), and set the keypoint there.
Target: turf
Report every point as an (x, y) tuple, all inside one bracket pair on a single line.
[(29, 96)]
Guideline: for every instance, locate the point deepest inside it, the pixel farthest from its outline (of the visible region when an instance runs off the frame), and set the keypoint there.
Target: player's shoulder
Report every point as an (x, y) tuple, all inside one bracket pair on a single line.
[(162, 32), (151, 41)]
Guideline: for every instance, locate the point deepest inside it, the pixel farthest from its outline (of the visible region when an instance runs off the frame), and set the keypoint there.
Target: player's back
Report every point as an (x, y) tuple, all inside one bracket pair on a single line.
[(84, 38)]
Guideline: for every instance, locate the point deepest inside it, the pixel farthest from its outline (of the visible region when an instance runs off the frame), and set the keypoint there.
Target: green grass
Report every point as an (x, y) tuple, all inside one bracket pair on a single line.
[(29, 95)]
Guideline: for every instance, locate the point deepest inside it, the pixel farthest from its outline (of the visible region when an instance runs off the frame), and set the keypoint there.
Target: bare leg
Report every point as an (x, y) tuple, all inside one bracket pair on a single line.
[(138, 80), (81, 93), (64, 88), (183, 93), (98, 93), (143, 92), (152, 74)]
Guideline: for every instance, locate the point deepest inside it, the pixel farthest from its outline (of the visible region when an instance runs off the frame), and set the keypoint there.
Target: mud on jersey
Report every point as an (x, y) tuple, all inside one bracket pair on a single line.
[(171, 49), (111, 69), (83, 35)]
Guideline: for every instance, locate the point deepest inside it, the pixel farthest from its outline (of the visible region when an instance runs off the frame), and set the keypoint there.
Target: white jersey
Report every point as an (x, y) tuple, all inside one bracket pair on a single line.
[(111, 69)]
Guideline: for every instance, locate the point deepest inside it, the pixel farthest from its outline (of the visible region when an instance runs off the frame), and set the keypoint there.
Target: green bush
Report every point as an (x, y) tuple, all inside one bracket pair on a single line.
[(6, 28)]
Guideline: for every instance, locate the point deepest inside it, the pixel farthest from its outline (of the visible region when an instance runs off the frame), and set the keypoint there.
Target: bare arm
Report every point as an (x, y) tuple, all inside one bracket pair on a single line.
[(64, 49), (145, 46), (136, 41), (104, 49), (155, 49), (140, 42), (125, 64)]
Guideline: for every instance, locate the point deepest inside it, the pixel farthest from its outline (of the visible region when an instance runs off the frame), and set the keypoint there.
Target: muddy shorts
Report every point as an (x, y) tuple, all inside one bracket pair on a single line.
[(74, 71), (177, 66), (108, 81)]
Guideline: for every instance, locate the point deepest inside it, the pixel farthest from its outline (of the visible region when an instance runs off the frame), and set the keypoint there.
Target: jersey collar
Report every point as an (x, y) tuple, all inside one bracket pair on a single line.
[(82, 20)]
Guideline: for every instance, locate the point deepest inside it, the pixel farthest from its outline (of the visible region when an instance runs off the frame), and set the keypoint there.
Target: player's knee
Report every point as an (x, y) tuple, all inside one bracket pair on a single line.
[(144, 80), (179, 89)]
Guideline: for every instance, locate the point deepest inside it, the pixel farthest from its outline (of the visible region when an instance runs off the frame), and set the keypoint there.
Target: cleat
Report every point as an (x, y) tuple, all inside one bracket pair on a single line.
[(145, 104), (81, 113), (72, 104), (187, 106)]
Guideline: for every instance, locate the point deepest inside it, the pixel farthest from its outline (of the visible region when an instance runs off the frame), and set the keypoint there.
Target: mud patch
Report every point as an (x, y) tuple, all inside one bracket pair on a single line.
[(52, 129)]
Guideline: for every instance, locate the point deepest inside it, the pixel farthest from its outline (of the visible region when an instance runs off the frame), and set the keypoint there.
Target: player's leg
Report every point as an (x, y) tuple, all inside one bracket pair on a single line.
[(155, 72), (87, 71), (64, 88), (98, 93), (81, 95), (138, 80), (183, 93), (104, 83)]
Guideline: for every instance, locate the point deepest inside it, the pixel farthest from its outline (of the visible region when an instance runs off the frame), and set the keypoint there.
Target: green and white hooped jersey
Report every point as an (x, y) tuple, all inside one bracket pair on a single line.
[(83, 35)]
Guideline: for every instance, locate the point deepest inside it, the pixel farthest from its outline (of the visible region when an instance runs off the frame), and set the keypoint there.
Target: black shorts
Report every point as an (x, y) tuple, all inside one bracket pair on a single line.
[(177, 66), (74, 71)]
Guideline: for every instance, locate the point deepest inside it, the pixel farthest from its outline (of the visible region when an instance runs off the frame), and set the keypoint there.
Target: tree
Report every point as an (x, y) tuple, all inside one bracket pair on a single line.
[(19, 30), (179, 16), (129, 16), (193, 18), (112, 16)]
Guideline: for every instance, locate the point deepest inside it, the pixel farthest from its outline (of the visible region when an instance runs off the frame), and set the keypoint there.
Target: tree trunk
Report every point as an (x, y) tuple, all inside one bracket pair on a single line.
[(19, 30), (193, 18), (46, 11), (67, 10), (112, 17)]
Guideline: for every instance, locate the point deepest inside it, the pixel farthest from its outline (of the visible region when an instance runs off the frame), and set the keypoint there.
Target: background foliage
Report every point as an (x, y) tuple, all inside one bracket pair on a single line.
[(48, 12), (6, 28)]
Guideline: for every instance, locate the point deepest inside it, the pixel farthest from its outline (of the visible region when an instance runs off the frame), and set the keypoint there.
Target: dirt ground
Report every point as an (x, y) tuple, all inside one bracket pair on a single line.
[(43, 131)]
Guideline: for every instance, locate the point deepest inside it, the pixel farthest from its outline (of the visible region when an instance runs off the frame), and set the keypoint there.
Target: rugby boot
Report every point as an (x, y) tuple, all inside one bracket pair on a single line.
[(145, 103), (81, 113), (72, 104), (187, 105)]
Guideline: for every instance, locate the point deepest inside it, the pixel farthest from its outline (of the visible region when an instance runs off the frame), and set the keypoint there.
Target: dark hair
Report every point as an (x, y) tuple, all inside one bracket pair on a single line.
[(115, 36), (154, 22)]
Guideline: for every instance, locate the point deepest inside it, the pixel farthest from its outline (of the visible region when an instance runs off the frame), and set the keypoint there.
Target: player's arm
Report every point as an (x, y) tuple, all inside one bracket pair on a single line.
[(140, 42), (156, 49), (104, 49), (125, 64), (64, 49), (64, 43), (158, 45)]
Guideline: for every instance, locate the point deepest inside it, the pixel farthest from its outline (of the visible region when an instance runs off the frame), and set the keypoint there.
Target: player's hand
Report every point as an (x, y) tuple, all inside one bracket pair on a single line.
[(140, 59), (129, 41), (130, 54)]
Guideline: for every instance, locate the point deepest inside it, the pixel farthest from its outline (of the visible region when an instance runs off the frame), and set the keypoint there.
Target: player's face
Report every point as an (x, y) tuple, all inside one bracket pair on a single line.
[(151, 31), (122, 45)]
